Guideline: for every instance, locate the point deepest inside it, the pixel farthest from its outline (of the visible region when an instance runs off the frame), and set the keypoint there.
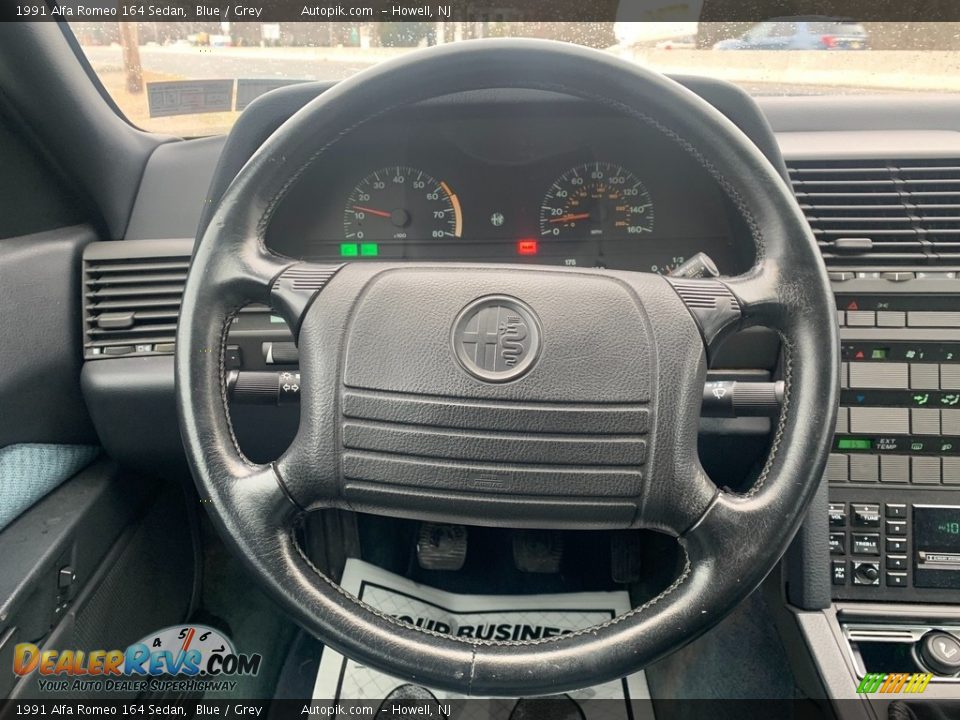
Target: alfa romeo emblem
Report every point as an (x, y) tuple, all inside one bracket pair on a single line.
[(496, 338)]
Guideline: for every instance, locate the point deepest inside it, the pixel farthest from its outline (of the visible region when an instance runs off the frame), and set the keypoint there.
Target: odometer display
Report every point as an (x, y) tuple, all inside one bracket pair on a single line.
[(401, 203), (598, 200)]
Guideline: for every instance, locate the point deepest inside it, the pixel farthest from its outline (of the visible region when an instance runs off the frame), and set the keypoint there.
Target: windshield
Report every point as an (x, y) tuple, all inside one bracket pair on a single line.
[(195, 78)]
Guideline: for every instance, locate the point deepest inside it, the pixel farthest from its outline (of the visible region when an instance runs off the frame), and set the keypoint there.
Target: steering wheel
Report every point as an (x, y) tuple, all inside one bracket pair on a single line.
[(507, 395)]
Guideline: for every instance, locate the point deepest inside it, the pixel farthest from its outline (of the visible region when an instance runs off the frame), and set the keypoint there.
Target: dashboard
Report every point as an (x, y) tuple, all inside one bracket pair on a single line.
[(876, 567), (579, 188)]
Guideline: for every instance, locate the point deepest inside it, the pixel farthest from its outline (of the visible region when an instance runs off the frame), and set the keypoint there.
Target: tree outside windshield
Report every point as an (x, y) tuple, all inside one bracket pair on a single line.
[(194, 78)]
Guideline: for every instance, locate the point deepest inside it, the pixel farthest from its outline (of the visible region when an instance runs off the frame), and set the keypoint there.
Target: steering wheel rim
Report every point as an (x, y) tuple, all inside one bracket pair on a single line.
[(256, 507)]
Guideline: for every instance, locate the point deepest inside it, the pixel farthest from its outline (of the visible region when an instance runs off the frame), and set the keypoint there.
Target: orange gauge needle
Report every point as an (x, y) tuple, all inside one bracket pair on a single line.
[(378, 213), (570, 218)]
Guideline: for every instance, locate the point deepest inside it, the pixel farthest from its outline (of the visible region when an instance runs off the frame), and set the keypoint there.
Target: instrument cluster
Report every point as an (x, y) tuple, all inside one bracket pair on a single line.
[(585, 190)]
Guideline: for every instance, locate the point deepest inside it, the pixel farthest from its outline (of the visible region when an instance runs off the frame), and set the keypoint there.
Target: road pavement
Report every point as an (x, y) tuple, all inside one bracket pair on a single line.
[(339, 63)]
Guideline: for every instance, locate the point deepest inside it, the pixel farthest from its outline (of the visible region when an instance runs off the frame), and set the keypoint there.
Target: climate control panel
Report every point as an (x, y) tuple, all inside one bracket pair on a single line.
[(894, 469)]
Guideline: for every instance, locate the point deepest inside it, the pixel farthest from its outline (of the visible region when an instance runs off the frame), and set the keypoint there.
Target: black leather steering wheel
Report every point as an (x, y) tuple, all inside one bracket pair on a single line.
[(416, 404)]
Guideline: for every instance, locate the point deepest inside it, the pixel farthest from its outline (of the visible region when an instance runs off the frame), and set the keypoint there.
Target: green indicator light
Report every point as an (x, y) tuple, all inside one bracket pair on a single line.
[(369, 249), (854, 444), (878, 354), (349, 249)]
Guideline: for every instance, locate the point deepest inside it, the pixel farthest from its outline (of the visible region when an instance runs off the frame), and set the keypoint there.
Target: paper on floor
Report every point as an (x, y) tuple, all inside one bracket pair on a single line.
[(500, 617)]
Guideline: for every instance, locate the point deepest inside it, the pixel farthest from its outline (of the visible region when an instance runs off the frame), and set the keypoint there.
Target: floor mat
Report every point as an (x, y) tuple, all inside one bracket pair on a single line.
[(498, 617)]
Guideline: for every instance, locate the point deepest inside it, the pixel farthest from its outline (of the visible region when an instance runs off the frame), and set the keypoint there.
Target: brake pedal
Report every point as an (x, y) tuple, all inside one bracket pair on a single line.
[(441, 546), (537, 551), (625, 547)]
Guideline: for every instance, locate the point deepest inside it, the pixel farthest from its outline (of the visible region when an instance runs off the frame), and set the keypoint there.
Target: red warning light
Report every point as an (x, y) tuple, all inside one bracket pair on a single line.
[(526, 247), (853, 305)]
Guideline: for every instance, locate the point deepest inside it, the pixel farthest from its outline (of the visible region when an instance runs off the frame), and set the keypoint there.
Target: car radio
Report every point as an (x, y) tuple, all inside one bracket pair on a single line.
[(894, 470)]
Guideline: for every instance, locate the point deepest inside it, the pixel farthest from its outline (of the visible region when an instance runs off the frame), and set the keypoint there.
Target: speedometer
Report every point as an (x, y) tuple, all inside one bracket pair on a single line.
[(400, 203), (596, 200)]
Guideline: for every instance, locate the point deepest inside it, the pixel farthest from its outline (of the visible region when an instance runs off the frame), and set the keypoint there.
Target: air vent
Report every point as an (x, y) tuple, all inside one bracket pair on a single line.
[(131, 304), (882, 213)]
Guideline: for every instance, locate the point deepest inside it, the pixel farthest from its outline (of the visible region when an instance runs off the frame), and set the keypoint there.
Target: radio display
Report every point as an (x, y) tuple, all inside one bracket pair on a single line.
[(937, 528)]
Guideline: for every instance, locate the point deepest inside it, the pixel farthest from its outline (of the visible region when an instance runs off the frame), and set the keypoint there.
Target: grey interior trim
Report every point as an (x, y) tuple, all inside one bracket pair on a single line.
[(169, 201), (916, 111), (98, 150), (869, 144)]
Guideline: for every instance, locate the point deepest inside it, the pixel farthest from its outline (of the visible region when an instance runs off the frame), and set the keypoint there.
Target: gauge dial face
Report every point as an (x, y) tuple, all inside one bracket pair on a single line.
[(597, 200), (400, 203)]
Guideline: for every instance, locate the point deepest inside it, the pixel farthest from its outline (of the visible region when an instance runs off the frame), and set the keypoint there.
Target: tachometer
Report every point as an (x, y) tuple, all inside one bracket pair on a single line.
[(399, 203), (596, 200)]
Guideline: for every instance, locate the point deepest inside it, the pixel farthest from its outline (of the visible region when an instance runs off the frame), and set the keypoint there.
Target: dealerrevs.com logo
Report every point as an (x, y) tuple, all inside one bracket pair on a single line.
[(191, 657)]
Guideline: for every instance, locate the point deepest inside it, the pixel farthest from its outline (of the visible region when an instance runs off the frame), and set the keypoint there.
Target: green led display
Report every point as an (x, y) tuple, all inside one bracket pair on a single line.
[(349, 249), (369, 249), (854, 444)]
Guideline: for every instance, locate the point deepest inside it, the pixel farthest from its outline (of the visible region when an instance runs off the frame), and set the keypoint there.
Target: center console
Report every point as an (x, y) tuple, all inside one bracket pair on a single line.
[(894, 473), (894, 485)]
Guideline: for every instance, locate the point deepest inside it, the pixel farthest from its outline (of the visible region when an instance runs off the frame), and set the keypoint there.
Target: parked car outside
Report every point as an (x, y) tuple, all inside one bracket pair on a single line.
[(821, 33)]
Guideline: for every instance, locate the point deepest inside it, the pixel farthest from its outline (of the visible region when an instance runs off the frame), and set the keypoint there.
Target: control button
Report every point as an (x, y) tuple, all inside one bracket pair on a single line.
[(896, 528), (232, 357), (925, 470), (887, 376), (950, 377), (898, 276), (861, 318), (895, 510), (933, 319), (837, 468), (866, 573), (844, 382), (950, 420), (940, 652), (880, 421), (896, 579), (929, 275), (66, 576), (838, 572), (951, 470), (164, 347), (865, 515), (837, 543), (925, 421), (864, 274), (838, 514), (841, 318), (840, 276), (891, 319), (865, 543), (118, 350), (894, 468), (864, 468), (843, 421), (896, 545), (924, 376), (896, 562)]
